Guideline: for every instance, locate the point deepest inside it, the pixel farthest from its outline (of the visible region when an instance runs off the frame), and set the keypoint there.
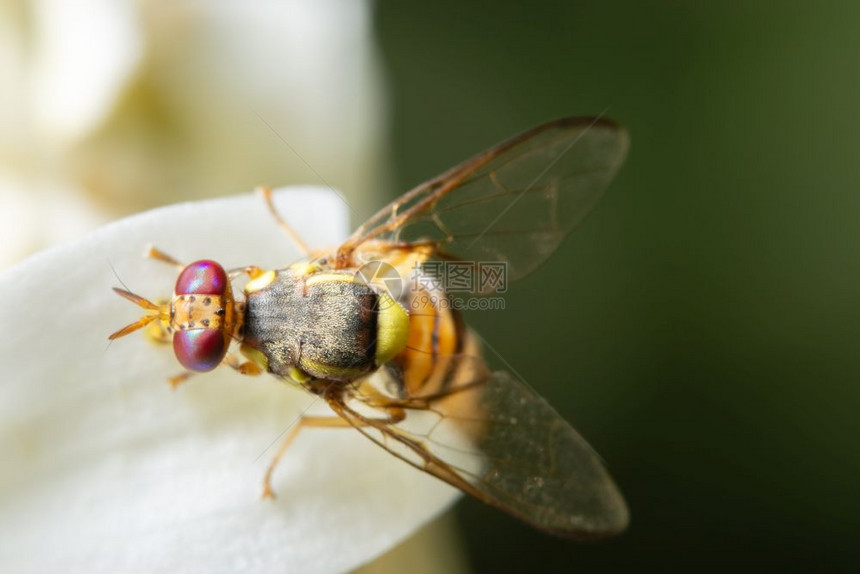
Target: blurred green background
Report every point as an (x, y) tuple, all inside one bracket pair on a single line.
[(700, 327)]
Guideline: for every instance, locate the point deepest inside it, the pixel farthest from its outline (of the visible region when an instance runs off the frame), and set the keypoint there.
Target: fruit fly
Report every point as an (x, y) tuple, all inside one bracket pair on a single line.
[(400, 366)]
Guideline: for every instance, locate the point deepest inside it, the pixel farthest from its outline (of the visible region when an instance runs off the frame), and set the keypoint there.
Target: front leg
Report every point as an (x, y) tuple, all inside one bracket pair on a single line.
[(152, 252), (243, 367)]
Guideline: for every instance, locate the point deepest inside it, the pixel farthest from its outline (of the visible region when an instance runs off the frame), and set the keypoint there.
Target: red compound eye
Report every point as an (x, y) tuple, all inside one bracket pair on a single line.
[(199, 347), (203, 277), (199, 350)]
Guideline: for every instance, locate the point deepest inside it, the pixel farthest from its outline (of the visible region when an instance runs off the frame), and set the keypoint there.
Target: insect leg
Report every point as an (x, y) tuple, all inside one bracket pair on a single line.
[(251, 271), (152, 252), (394, 416), (177, 380), (266, 192), (243, 367), (305, 421)]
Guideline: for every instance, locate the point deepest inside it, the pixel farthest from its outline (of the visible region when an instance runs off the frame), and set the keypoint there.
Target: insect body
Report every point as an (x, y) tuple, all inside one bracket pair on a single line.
[(400, 365), (306, 323)]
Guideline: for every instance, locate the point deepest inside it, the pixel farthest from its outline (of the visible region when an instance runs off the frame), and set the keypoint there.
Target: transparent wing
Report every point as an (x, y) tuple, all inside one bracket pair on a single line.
[(494, 438), (514, 203)]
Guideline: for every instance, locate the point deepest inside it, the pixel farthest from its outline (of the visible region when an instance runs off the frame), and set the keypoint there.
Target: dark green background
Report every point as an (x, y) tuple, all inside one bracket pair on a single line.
[(700, 328)]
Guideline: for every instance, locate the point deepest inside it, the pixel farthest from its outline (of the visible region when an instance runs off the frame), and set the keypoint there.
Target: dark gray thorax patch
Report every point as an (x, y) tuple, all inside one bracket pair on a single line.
[(330, 323)]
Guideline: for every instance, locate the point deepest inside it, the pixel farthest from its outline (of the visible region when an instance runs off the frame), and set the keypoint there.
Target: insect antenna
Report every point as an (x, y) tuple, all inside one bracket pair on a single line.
[(143, 321)]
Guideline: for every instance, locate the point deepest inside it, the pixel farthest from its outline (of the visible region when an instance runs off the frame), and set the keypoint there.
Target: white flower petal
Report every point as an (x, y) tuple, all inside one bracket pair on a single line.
[(48, 213), (105, 469)]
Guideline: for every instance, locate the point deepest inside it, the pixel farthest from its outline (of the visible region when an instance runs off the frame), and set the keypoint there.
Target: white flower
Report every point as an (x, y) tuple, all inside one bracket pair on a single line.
[(106, 470)]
